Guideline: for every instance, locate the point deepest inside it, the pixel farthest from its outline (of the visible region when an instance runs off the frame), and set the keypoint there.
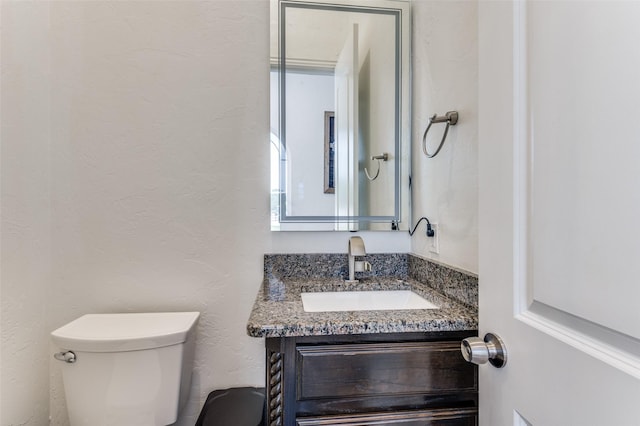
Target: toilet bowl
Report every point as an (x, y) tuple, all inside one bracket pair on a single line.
[(126, 369)]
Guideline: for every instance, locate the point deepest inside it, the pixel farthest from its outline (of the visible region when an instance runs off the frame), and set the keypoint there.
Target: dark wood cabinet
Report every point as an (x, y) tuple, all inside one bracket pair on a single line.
[(383, 379), (435, 417)]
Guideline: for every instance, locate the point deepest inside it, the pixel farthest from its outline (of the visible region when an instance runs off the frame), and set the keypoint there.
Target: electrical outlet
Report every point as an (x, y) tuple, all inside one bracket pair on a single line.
[(434, 242)]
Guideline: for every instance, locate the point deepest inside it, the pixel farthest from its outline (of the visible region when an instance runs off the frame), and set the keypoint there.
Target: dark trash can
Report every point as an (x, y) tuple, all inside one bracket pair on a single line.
[(233, 407)]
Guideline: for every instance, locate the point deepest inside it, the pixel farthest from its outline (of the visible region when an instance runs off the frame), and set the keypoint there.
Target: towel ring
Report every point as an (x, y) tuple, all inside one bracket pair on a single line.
[(384, 157), (451, 118)]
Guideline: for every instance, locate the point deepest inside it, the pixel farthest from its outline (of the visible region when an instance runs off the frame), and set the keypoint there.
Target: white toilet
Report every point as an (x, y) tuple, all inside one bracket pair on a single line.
[(127, 369)]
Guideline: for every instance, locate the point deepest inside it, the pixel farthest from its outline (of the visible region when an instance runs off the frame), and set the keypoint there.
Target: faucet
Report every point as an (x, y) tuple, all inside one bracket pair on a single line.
[(356, 248)]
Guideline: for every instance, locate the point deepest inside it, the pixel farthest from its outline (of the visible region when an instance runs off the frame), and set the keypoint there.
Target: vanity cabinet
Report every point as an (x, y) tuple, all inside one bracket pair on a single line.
[(383, 379)]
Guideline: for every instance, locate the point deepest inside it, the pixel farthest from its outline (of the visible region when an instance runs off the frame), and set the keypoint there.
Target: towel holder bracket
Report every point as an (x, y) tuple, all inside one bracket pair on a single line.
[(451, 118)]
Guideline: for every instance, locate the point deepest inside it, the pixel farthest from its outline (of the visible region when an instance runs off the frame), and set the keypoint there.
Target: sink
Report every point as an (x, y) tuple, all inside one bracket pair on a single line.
[(337, 301)]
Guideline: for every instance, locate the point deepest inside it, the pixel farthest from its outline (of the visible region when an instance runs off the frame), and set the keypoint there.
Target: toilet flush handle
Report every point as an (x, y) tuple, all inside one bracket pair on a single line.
[(67, 356)]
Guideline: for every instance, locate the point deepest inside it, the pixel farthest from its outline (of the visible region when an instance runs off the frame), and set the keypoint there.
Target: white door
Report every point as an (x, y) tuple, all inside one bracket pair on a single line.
[(560, 211), (346, 115)]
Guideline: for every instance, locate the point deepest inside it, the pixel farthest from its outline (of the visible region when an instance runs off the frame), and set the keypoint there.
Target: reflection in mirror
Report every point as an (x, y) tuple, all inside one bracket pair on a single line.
[(339, 115)]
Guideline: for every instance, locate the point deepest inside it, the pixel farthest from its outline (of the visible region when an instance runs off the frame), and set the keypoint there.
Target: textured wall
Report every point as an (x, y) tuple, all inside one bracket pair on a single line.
[(445, 78), (25, 199), (160, 151)]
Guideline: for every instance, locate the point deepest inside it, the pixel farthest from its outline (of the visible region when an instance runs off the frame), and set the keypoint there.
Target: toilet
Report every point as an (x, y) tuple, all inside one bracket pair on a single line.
[(126, 369)]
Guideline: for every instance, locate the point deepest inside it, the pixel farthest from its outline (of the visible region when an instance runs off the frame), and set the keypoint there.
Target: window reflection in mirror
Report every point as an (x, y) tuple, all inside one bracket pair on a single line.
[(338, 93)]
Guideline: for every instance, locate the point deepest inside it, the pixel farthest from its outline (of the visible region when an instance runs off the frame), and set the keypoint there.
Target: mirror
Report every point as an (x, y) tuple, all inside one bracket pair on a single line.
[(340, 150)]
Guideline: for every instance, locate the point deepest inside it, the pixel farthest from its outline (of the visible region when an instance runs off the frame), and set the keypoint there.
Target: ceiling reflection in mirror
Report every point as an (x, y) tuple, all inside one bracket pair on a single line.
[(339, 115)]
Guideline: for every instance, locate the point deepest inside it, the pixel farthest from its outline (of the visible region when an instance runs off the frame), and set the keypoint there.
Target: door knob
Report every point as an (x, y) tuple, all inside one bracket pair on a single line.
[(479, 351)]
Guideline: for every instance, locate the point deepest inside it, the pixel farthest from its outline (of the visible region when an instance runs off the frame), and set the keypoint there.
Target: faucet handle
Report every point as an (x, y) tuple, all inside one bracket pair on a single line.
[(362, 266)]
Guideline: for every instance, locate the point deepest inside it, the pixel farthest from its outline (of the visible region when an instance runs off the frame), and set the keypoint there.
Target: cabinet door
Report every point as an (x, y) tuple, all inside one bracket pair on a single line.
[(338, 371), (459, 417)]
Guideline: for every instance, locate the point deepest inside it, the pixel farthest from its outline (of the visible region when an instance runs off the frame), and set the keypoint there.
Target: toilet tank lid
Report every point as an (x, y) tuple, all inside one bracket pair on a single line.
[(125, 332)]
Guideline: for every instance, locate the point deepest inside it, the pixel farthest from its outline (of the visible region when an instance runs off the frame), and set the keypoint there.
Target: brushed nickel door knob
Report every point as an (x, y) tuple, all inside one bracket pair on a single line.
[(478, 351)]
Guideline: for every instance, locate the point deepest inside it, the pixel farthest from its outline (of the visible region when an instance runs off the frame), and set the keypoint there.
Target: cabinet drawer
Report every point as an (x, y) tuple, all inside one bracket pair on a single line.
[(337, 371), (460, 417)]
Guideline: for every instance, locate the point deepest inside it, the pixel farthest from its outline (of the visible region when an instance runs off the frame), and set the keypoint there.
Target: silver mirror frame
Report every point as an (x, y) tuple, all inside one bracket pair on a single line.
[(400, 10)]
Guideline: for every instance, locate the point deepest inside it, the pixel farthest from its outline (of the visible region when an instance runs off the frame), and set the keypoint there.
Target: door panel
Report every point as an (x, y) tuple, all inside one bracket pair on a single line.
[(346, 114), (582, 90), (559, 202)]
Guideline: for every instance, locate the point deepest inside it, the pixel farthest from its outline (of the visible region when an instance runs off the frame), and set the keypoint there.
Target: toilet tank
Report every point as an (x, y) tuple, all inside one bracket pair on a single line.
[(129, 369)]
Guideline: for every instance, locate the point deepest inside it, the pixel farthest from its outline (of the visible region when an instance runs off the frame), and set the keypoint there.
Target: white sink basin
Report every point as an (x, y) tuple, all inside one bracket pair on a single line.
[(336, 301)]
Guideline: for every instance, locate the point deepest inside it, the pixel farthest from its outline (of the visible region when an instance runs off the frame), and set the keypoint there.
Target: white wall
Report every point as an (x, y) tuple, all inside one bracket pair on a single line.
[(379, 127), (160, 171), (445, 74), (150, 121), (309, 96), (25, 203)]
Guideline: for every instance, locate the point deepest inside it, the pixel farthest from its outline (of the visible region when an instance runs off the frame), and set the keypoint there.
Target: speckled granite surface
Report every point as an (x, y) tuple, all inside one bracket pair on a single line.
[(461, 285), (332, 265), (278, 310)]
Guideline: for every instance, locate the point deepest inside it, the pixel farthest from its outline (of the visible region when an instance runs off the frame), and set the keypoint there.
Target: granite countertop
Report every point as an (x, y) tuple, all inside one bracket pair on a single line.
[(278, 311)]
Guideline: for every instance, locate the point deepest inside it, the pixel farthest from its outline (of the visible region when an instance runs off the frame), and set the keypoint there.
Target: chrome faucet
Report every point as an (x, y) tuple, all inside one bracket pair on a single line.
[(356, 248)]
